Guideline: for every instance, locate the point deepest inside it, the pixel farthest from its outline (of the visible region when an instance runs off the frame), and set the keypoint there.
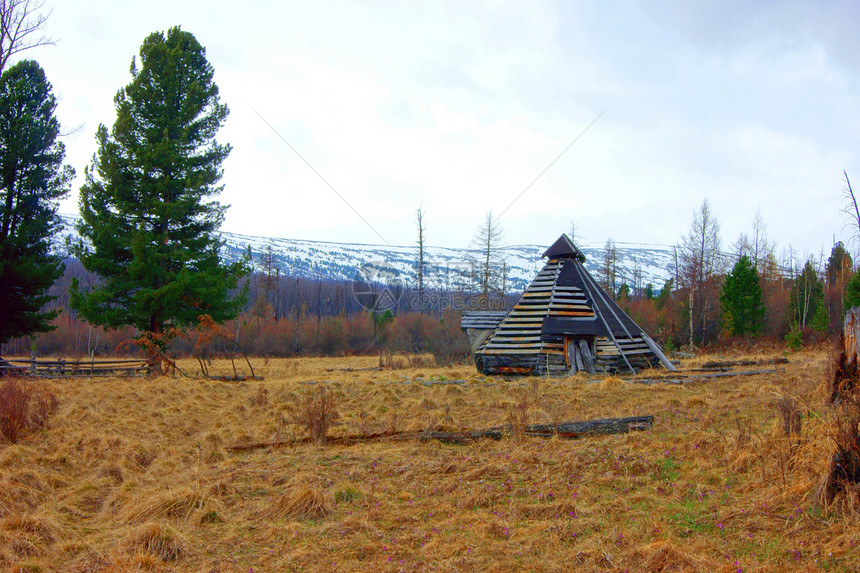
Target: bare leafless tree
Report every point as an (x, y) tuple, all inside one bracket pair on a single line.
[(637, 279), (700, 264), (488, 243), (756, 246), (850, 209), (420, 271), (575, 232), (741, 247), (610, 267), (21, 23)]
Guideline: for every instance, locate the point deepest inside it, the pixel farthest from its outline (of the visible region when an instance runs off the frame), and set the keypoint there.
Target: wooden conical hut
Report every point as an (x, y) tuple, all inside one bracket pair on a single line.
[(563, 323)]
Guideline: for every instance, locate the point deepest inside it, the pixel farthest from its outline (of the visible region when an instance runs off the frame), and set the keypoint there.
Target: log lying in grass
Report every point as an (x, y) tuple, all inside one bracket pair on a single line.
[(233, 378), (667, 380), (568, 430), (422, 382), (730, 363)]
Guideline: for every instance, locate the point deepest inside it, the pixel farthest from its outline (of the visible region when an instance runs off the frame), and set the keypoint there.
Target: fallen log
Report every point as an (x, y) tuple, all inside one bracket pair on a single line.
[(422, 382), (567, 430), (731, 363), (668, 380), (731, 373), (715, 369), (231, 378)]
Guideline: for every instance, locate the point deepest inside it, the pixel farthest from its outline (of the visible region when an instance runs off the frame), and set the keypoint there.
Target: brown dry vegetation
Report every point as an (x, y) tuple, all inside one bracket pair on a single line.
[(138, 474)]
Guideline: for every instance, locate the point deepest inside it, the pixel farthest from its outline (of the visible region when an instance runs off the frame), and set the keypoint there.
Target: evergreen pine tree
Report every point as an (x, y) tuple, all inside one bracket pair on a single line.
[(146, 207), (741, 300), (32, 179), (852, 292), (820, 320)]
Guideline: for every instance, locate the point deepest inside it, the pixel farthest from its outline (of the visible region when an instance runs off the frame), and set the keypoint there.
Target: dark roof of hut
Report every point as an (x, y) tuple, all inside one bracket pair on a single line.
[(564, 248)]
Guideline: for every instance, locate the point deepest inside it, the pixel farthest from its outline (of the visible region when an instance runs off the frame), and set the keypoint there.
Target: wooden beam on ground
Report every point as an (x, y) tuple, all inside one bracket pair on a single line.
[(568, 430), (730, 363), (649, 381)]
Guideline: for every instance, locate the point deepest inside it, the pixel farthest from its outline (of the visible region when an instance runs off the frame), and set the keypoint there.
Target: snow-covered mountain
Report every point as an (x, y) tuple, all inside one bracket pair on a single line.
[(444, 267)]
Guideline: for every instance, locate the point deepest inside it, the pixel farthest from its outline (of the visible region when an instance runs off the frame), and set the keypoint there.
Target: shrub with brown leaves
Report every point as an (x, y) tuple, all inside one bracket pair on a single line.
[(24, 408)]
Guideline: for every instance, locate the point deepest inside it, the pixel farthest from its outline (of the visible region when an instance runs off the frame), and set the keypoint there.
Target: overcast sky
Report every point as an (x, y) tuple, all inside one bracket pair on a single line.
[(458, 106)]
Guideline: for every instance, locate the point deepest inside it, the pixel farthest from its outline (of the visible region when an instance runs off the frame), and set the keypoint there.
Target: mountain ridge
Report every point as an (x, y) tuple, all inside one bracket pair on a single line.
[(445, 268)]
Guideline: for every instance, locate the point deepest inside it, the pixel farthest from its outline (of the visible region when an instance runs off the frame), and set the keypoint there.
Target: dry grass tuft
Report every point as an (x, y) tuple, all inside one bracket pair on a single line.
[(155, 539), (663, 557), (843, 476), (27, 535), (260, 398), (24, 408), (843, 376), (171, 504), (518, 418), (301, 502), (790, 415)]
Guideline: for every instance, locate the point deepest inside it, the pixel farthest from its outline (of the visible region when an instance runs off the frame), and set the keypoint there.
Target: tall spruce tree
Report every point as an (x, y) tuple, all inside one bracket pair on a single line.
[(148, 219), (32, 179), (741, 301)]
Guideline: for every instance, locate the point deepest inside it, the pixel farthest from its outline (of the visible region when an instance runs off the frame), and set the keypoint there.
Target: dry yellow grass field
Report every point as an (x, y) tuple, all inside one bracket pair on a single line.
[(139, 474)]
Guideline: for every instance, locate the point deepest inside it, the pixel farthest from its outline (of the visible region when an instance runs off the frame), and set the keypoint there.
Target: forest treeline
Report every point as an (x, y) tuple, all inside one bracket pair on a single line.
[(295, 316)]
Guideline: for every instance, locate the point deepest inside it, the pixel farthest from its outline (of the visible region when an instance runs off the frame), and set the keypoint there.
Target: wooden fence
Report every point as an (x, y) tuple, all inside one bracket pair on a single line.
[(63, 368)]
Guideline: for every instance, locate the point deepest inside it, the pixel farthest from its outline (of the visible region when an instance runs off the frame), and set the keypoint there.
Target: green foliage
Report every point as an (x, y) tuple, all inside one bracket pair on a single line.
[(839, 264), (347, 495), (32, 179), (664, 294), (669, 346), (623, 292), (383, 320), (806, 295), (147, 207), (649, 291), (741, 300), (794, 338), (821, 319), (381, 323), (852, 292)]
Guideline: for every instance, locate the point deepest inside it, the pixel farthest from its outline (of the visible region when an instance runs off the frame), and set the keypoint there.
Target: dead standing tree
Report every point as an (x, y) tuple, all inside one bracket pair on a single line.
[(850, 209), (610, 267), (420, 270), (489, 260)]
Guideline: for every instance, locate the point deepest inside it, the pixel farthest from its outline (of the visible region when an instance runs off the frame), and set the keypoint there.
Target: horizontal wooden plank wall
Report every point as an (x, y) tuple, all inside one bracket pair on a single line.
[(582, 313), (482, 319), (608, 359), (516, 346)]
